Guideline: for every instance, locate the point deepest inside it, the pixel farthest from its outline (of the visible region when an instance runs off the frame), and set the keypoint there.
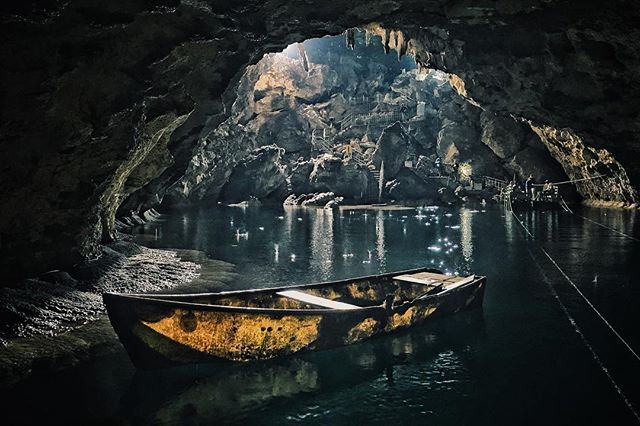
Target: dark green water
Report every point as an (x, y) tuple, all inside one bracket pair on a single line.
[(518, 361)]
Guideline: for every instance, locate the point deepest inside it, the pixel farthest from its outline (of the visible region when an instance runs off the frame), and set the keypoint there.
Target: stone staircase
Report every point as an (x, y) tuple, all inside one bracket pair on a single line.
[(373, 119)]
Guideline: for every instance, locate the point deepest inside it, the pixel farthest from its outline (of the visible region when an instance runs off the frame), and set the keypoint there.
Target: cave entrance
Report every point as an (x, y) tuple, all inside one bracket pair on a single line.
[(341, 118)]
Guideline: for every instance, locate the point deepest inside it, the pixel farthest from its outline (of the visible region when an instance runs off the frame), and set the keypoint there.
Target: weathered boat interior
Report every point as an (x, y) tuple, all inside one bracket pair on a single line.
[(348, 294)]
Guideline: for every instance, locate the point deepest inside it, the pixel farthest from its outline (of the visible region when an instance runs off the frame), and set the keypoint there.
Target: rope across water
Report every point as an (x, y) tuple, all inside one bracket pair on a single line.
[(573, 322), (609, 228)]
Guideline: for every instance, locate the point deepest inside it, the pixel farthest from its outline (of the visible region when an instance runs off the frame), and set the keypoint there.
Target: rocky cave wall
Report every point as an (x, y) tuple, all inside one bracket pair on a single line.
[(351, 98), (102, 98)]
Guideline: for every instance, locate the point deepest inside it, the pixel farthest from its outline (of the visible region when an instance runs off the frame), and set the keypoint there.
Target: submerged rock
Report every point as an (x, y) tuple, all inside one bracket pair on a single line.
[(252, 202)]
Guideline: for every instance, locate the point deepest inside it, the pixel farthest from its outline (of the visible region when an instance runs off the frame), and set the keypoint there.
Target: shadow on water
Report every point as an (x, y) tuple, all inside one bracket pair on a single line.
[(235, 393)]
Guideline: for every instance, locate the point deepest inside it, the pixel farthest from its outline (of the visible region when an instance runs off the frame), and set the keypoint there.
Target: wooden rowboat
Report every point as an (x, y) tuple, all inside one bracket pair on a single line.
[(160, 330)]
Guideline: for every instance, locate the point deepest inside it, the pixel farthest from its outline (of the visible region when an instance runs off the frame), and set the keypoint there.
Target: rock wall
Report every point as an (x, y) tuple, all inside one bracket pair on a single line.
[(260, 175), (348, 100), (90, 89), (597, 174)]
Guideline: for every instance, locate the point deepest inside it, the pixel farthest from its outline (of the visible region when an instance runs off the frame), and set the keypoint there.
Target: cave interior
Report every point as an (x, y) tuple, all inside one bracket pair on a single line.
[(117, 114)]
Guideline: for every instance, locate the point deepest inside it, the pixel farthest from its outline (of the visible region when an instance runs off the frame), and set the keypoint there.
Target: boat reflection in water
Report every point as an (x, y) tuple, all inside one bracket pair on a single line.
[(223, 392)]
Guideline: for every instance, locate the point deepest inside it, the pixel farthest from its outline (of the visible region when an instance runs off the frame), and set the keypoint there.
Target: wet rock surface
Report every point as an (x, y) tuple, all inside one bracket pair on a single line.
[(56, 320), (321, 199), (60, 301)]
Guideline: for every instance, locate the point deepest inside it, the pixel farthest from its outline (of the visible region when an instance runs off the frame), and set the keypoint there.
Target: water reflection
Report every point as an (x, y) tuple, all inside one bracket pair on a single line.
[(306, 245), (380, 250), (322, 244), (233, 393), (466, 234)]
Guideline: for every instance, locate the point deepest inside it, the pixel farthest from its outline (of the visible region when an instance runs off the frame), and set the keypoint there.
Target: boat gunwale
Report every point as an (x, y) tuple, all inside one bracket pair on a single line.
[(158, 298), (276, 289), (248, 310)]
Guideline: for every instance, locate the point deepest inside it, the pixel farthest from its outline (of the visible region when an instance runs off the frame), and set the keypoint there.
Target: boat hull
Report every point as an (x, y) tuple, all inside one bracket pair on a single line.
[(158, 332)]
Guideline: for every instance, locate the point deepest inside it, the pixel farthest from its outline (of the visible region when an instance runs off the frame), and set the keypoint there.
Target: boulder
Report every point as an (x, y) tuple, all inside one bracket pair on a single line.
[(392, 148), (317, 199), (320, 199), (503, 135), (408, 186), (344, 178), (260, 175), (291, 200), (299, 176), (333, 204)]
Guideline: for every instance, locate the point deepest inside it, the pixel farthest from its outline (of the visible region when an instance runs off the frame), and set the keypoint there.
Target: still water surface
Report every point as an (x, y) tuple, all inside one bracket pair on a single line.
[(518, 361)]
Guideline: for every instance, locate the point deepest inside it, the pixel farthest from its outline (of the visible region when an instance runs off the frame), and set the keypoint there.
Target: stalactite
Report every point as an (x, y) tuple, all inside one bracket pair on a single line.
[(401, 44), (385, 40), (351, 38)]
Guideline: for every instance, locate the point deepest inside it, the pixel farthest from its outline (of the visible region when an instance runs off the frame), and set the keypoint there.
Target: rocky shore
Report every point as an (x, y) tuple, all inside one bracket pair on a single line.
[(57, 319)]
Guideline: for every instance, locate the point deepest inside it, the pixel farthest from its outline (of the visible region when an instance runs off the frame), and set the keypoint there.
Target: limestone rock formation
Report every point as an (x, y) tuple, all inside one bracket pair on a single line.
[(535, 162), (260, 175), (331, 174), (459, 144), (328, 200), (392, 148), (299, 176), (503, 135), (408, 186)]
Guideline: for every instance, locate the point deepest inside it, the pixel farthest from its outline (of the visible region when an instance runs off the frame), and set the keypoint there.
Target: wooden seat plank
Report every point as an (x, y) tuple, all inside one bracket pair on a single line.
[(434, 276), (462, 281), (315, 300), (414, 279)]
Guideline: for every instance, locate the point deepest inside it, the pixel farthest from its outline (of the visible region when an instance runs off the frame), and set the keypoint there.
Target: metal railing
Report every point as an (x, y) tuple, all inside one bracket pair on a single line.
[(321, 141), (491, 182)]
